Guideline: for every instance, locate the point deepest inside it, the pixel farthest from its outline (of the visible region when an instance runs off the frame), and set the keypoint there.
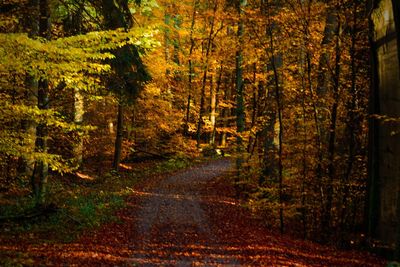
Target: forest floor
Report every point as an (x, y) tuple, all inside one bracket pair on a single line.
[(189, 218)]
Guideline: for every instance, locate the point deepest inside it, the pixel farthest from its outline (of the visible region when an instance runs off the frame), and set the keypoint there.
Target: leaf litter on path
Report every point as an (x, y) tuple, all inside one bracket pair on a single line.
[(189, 218)]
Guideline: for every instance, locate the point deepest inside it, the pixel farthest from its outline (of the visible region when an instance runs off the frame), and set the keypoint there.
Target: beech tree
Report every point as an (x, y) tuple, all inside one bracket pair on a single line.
[(48, 67), (126, 83)]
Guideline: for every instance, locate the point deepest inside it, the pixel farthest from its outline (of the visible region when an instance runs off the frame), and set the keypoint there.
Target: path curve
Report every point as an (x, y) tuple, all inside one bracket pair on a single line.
[(190, 218)]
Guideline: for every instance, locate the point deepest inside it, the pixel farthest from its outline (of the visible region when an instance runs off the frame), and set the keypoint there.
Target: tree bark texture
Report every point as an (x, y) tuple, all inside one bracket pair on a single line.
[(40, 174), (119, 136), (200, 121)]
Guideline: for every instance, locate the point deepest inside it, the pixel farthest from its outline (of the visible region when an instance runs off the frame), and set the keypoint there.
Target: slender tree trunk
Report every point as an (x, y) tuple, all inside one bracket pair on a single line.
[(79, 109), (278, 98), (239, 76), (167, 40), (119, 137), (213, 105), (304, 167), (261, 104), (351, 123), (373, 195), (200, 121), (176, 41), (268, 133), (331, 22), (39, 177), (226, 112), (191, 72), (318, 136), (304, 147), (306, 86), (217, 89), (324, 74), (41, 145), (327, 212), (270, 112), (240, 115), (26, 165), (278, 94), (253, 136), (214, 92), (280, 155), (117, 15), (189, 100), (78, 119)]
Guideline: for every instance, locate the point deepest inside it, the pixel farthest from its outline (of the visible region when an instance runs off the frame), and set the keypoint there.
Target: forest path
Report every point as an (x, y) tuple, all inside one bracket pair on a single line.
[(173, 226), (189, 218)]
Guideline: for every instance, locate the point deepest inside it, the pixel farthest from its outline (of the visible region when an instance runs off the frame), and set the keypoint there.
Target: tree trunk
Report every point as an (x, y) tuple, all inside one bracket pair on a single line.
[(240, 115), (324, 76), (254, 113), (214, 128), (372, 197), (304, 165), (167, 41), (270, 112), (327, 212), (176, 41), (191, 73), (351, 125), (305, 71), (119, 136), (213, 105), (275, 60), (226, 112), (78, 119), (200, 121), (278, 94), (268, 136), (39, 177), (26, 165), (331, 22), (118, 15)]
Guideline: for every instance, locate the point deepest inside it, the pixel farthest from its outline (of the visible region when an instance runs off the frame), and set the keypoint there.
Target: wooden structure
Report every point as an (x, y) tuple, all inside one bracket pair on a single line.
[(384, 172)]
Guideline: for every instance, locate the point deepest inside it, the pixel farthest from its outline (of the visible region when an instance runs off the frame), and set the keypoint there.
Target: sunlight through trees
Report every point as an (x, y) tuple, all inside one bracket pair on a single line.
[(302, 94)]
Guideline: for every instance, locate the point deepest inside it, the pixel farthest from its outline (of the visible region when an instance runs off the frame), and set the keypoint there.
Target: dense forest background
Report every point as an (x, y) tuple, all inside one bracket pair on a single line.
[(281, 86)]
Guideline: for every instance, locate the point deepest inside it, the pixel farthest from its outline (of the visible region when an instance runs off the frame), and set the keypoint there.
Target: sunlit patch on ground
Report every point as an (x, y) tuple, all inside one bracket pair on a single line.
[(125, 166), (84, 176)]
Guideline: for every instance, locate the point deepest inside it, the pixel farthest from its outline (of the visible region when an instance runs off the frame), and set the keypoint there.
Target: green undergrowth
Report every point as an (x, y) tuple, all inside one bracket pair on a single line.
[(79, 206), (15, 259), (173, 164)]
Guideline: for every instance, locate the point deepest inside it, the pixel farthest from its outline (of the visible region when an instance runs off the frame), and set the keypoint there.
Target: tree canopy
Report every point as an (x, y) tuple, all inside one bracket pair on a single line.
[(286, 88)]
